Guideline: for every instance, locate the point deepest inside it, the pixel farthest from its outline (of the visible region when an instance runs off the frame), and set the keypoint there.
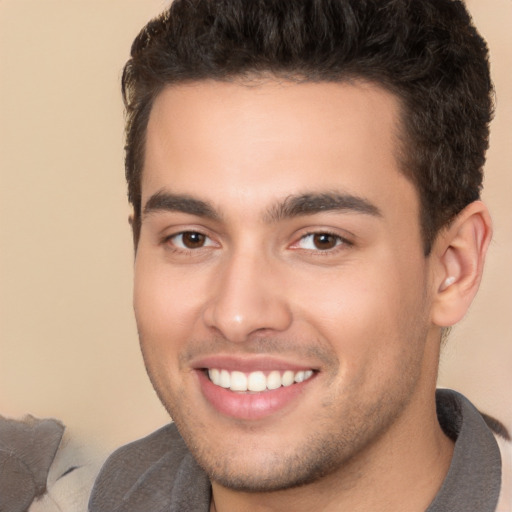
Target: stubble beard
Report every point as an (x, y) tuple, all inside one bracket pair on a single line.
[(336, 439), (323, 452)]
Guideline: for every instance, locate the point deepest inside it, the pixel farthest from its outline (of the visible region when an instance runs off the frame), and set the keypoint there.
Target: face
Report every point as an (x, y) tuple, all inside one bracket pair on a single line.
[(281, 292)]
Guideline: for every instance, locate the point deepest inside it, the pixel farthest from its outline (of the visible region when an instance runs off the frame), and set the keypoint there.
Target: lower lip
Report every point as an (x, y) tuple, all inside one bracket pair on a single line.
[(249, 406)]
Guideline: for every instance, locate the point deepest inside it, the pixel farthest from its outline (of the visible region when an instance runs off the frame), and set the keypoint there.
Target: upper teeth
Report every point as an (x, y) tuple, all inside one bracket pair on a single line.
[(256, 381)]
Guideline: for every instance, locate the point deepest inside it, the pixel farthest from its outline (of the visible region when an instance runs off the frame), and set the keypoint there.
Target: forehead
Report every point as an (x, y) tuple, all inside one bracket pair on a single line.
[(253, 143)]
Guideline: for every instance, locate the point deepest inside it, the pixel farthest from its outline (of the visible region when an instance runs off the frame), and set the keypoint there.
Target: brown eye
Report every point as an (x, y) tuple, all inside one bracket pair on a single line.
[(191, 240), (320, 242), (325, 241)]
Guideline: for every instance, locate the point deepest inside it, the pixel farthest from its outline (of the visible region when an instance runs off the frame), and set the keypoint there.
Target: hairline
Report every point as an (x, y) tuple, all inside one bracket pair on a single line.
[(254, 78)]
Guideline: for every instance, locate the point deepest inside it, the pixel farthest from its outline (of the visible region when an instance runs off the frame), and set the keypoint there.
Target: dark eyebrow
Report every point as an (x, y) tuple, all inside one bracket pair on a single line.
[(292, 206), (165, 201), (309, 204)]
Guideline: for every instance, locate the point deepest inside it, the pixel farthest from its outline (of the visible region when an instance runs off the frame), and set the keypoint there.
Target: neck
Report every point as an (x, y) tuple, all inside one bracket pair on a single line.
[(401, 471)]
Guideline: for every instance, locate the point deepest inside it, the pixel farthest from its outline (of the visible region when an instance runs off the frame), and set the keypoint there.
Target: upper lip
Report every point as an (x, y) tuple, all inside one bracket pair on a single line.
[(250, 363)]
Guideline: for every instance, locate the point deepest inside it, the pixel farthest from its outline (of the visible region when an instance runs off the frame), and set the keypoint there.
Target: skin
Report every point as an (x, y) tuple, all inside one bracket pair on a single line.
[(362, 307)]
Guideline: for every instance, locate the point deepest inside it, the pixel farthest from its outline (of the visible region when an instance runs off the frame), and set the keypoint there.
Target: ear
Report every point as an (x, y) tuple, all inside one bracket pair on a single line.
[(458, 261), (135, 225)]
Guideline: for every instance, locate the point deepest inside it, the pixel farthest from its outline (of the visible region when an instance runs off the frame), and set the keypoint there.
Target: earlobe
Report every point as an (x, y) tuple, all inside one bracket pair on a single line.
[(459, 254)]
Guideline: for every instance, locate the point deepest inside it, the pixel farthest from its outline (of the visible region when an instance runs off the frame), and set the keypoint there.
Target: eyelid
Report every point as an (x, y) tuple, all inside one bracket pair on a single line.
[(342, 241), (168, 240)]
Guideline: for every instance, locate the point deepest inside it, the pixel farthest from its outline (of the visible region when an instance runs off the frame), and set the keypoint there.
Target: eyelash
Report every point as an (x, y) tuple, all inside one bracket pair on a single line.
[(168, 240), (341, 243)]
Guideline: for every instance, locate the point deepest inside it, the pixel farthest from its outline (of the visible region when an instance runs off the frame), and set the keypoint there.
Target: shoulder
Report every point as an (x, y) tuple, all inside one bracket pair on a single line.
[(474, 479), (133, 469), (505, 501)]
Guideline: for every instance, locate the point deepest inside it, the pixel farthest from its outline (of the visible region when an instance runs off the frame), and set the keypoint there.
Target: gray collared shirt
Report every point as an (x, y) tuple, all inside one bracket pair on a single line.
[(158, 474)]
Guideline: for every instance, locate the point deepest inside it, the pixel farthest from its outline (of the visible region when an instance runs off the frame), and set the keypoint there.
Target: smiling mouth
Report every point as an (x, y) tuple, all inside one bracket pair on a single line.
[(257, 381)]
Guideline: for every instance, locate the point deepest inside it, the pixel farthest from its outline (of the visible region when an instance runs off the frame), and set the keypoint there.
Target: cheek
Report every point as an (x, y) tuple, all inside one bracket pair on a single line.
[(369, 314), (166, 304)]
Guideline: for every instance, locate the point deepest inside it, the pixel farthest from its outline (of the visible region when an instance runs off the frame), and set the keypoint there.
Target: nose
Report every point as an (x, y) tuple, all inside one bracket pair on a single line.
[(248, 297)]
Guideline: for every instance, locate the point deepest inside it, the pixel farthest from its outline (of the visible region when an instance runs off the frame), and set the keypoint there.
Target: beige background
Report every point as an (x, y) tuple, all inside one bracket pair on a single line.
[(68, 345)]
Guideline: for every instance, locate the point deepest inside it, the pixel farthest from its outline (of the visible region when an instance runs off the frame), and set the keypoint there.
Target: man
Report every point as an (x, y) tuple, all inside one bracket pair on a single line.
[(305, 177)]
